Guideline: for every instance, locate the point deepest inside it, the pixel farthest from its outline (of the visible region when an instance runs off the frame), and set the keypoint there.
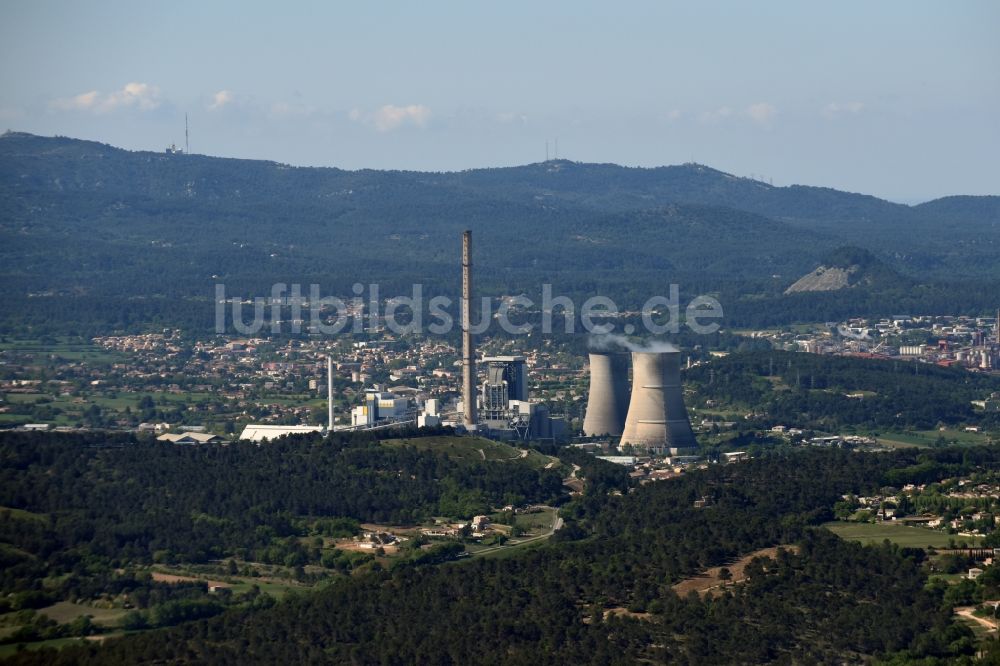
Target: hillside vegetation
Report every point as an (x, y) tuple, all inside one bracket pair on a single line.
[(142, 238), (826, 601)]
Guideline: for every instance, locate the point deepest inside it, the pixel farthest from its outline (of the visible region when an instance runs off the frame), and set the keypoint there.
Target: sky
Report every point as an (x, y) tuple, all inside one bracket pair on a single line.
[(900, 99)]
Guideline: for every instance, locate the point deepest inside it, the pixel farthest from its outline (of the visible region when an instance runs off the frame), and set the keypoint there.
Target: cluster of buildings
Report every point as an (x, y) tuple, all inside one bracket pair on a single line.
[(477, 528), (964, 507), (502, 402), (967, 342), (165, 381), (825, 441)]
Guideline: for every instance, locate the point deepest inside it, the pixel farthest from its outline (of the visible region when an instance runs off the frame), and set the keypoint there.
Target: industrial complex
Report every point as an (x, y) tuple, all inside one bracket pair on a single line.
[(495, 399)]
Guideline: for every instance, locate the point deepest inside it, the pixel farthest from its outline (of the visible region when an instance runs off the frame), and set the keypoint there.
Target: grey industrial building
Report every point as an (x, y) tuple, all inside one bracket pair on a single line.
[(506, 410), (506, 380)]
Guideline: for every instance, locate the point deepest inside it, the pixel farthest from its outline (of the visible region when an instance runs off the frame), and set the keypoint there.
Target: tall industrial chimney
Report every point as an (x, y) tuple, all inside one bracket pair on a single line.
[(656, 413), (468, 352), (607, 402), (329, 392)]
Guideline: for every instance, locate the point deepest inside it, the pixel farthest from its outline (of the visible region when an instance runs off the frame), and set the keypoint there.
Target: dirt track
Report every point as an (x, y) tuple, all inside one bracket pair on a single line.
[(966, 611), (709, 583)]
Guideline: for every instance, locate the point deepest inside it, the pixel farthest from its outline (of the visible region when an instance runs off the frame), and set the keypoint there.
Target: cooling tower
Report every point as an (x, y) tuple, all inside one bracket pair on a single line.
[(656, 413), (608, 399)]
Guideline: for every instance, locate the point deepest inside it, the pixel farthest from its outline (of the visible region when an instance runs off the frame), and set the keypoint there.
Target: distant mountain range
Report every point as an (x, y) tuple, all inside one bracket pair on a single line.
[(84, 219)]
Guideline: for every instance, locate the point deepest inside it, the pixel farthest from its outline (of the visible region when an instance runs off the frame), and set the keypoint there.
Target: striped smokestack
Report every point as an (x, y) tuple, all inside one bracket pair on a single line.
[(329, 393), (468, 352)]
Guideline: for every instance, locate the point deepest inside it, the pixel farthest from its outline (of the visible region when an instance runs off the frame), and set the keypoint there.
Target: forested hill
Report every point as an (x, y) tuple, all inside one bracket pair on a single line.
[(603, 592), (141, 225), (87, 165)]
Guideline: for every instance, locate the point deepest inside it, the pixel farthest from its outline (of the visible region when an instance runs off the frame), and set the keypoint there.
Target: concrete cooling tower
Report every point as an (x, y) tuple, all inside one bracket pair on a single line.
[(608, 399), (656, 413)]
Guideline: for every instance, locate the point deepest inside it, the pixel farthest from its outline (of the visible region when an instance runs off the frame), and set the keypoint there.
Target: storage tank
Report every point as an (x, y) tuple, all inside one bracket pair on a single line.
[(656, 413), (607, 402)]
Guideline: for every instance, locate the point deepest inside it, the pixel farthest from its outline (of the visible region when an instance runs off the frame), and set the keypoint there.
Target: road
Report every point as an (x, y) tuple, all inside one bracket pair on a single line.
[(574, 482), (556, 525), (966, 611)]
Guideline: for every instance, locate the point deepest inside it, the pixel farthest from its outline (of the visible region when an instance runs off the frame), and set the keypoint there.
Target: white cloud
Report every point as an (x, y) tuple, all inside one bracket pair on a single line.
[(136, 95), (835, 109), (140, 95), (85, 100), (672, 115), (390, 117), (761, 112), (221, 99), (716, 115)]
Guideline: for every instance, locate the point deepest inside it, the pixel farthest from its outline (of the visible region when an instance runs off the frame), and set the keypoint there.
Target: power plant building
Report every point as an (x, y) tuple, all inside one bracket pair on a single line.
[(505, 408), (506, 380)]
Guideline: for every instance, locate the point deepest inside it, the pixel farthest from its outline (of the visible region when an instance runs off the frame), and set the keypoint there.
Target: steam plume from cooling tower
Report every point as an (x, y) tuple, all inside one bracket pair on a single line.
[(612, 342)]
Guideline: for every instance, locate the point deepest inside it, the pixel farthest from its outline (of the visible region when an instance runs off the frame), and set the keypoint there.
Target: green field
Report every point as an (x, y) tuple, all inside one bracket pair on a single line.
[(509, 550), (67, 349), (537, 522), (238, 584), (920, 438), (902, 535), (537, 530), (65, 612), (902, 441), (276, 590)]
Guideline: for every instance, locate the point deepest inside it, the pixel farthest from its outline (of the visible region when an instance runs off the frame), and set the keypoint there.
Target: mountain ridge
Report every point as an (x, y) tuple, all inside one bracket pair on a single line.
[(143, 225), (555, 167)]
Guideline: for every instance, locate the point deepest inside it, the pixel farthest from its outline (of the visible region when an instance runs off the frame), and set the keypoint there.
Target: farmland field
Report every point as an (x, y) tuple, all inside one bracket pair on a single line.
[(65, 612), (902, 535), (920, 438)]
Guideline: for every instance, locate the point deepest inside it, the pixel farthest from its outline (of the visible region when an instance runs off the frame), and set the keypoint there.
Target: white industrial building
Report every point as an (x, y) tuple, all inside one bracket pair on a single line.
[(190, 438), (258, 433), (380, 405)]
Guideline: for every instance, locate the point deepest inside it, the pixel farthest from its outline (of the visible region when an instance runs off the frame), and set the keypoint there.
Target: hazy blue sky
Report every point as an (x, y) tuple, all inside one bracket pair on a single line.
[(897, 99)]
